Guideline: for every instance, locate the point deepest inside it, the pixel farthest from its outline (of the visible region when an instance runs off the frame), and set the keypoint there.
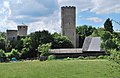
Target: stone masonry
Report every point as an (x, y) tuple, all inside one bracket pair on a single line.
[(68, 23)]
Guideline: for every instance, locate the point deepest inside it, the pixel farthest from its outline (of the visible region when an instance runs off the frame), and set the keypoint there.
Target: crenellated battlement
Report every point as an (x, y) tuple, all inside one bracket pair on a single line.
[(68, 7)]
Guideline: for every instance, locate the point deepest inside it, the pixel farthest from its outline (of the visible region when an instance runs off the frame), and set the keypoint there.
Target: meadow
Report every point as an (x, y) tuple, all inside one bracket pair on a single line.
[(60, 69)]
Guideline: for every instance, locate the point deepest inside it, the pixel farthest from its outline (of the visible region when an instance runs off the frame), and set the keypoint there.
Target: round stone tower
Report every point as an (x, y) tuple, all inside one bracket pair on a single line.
[(68, 23)]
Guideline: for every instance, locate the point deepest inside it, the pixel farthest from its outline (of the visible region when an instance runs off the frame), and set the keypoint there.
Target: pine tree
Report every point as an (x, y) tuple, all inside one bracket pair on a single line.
[(108, 25)]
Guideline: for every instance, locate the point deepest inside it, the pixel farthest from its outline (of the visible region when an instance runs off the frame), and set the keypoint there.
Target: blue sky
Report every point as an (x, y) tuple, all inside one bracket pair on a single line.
[(46, 15)]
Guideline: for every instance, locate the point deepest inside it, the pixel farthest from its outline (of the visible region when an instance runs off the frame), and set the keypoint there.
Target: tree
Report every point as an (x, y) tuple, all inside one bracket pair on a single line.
[(2, 40), (85, 30), (2, 55), (106, 35), (44, 49), (108, 25), (95, 33), (40, 37), (2, 43), (14, 53), (61, 41)]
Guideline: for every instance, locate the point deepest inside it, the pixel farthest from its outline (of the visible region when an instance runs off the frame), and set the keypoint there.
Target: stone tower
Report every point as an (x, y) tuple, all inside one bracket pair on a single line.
[(11, 35), (68, 23), (22, 30)]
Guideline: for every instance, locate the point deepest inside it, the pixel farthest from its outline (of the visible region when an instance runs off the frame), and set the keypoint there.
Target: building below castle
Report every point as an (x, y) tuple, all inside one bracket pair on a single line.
[(12, 35)]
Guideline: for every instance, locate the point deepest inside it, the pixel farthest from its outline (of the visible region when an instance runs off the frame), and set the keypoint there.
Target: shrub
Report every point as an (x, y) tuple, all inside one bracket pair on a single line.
[(80, 57), (102, 57), (90, 57), (51, 57), (115, 56), (2, 55), (15, 53), (44, 49)]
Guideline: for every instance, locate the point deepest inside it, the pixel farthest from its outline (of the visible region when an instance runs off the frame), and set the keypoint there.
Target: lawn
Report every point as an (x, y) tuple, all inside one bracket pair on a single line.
[(61, 69)]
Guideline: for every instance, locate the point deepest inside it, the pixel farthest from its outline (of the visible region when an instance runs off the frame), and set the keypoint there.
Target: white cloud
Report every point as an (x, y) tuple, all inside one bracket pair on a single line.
[(81, 5), (51, 23), (105, 6), (45, 14), (96, 6), (94, 19)]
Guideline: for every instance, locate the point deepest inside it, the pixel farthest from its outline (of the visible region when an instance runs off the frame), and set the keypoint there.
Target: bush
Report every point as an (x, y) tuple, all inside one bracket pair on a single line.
[(51, 57), (25, 53), (2, 55), (115, 56), (14, 53), (44, 49), (90, 57), (102, 57), (80, 57)]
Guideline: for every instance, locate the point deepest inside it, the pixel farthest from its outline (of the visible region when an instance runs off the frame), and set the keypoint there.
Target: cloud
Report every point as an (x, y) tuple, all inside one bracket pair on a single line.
[(45, 14), (51, 23), (95, 6), (94, 19), (105, 7), (37, 14), (81, 5)]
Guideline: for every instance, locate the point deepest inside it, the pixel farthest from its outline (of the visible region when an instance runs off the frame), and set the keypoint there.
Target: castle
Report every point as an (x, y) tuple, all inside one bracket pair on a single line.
[(13, 35)]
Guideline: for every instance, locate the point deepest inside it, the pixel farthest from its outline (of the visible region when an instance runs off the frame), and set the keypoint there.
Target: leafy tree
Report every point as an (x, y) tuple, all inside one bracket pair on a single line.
[(40, 37), (26, 42), (2, 40), (85, 30), (25, 53), (95, 33), (109, 44), (15, 53), (2, 53), (108, 25), (44, 49), (106, 35), (61, 41), (2, 43)]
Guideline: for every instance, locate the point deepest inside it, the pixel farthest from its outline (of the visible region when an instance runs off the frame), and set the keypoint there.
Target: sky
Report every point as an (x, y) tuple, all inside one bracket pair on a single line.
[(46, 14)]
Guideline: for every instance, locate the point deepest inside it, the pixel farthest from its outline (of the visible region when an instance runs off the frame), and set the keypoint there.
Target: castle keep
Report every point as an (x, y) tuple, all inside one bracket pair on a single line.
[(13, 34), (68, 23)]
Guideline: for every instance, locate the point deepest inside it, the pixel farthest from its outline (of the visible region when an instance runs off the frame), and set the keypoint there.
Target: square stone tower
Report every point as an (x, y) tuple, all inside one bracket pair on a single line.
[(11, 35), (22, 30), (68, 23)]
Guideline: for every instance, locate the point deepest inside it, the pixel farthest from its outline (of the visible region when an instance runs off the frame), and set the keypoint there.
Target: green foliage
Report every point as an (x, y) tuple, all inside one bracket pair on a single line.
[(51, 57), (39, 38), (102, 57), (2, 43), (109, 44), (85, 30), (95, 33), (106, 35), (2, 53), (44, 49), (115, 55), (15, 53), (61, 41), (25, 53), (108, 25)]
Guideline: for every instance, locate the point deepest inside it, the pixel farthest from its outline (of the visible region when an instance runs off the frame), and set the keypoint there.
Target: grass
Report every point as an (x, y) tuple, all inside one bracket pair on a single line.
[(61, 69)]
